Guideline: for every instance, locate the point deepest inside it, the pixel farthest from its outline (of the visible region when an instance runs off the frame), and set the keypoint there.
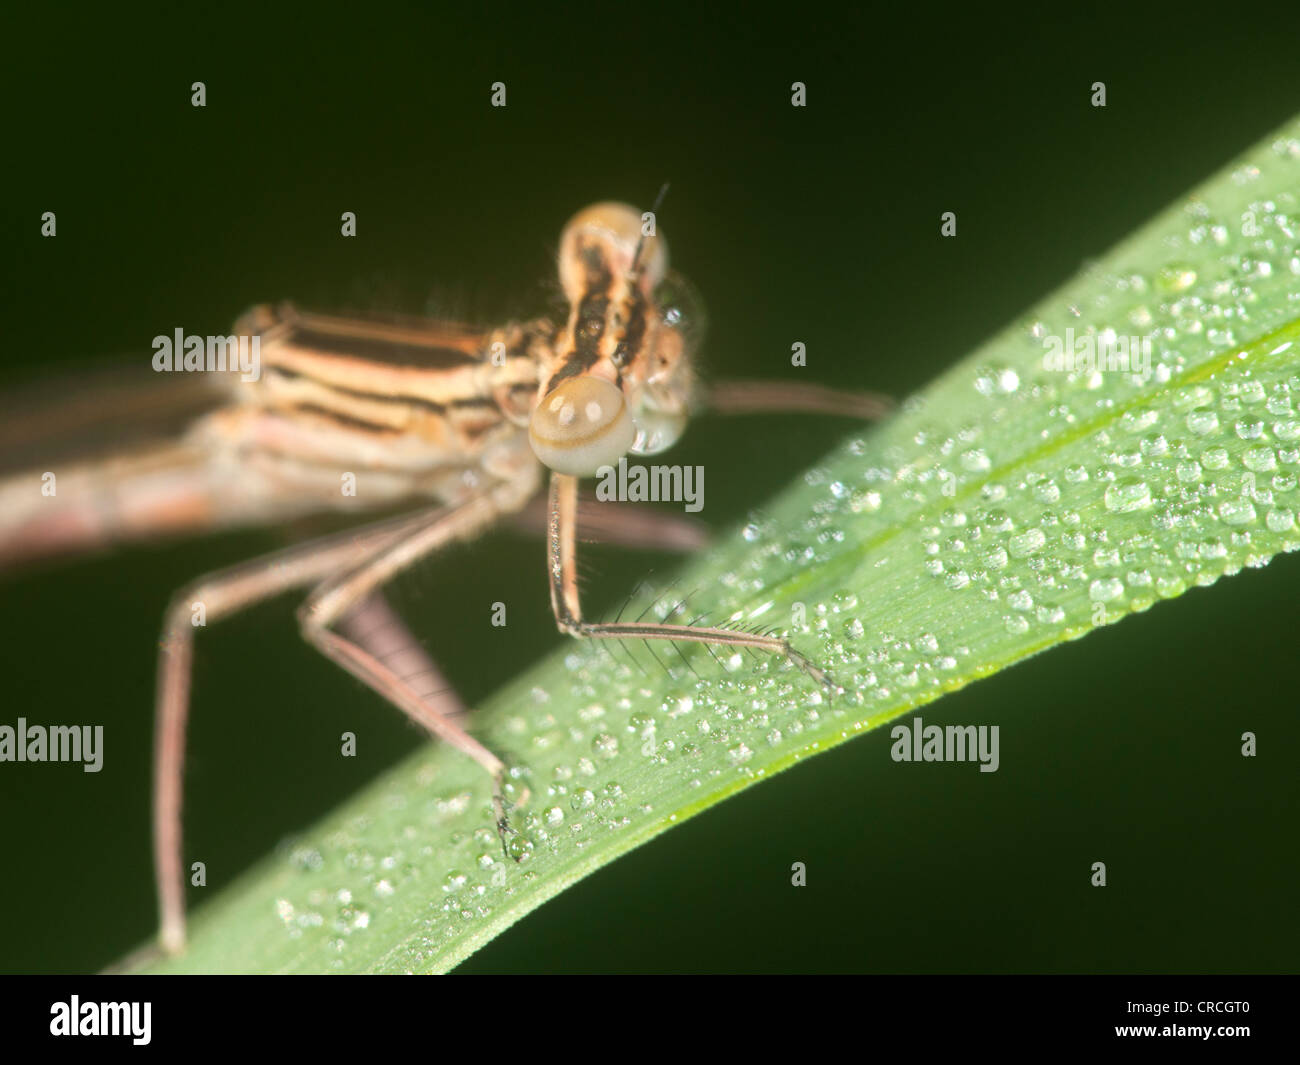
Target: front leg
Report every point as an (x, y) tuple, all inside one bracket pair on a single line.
[(567, 607)]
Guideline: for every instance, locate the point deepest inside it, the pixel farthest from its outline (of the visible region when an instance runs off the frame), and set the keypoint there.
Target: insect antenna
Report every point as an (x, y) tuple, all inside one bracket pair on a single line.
[(640, 244)]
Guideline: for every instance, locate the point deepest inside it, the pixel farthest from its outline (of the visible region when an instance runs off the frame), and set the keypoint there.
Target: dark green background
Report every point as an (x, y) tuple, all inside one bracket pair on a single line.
[(818, 225)]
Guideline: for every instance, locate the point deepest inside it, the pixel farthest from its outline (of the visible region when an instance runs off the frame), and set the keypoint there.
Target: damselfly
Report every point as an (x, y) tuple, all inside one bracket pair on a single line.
[(351, 414)]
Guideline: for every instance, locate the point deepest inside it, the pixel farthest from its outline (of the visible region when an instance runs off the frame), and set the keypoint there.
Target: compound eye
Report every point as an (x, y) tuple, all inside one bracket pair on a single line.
[(613, 230), (657, 431), (681, 308), (582, 425)]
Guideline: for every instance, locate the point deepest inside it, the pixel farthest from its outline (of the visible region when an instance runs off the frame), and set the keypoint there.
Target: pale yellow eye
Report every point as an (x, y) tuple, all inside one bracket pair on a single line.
[(617, 228), (582, 425), (657, 431)]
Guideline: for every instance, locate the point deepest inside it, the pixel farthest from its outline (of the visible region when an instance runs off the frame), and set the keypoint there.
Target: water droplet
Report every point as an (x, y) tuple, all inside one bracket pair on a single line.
[(1175, 277), (1027, 543), (1215, 458), (1105, 556), (1280, 520), (1260, 459), (996, 558), (1237, 511), (1134, 421), (1050, 614), (1105, 589), (1170, 586), (1127, 495), (1047, 492)]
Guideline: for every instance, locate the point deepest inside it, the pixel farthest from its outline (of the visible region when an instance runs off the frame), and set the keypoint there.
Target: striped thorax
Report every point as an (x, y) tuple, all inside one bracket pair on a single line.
[(428, 411)]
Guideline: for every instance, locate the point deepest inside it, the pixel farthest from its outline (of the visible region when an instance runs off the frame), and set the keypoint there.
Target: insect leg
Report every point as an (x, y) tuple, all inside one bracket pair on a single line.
[(334, 600), (624, 524), (567, 607), (221, 594), (381, 631)]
